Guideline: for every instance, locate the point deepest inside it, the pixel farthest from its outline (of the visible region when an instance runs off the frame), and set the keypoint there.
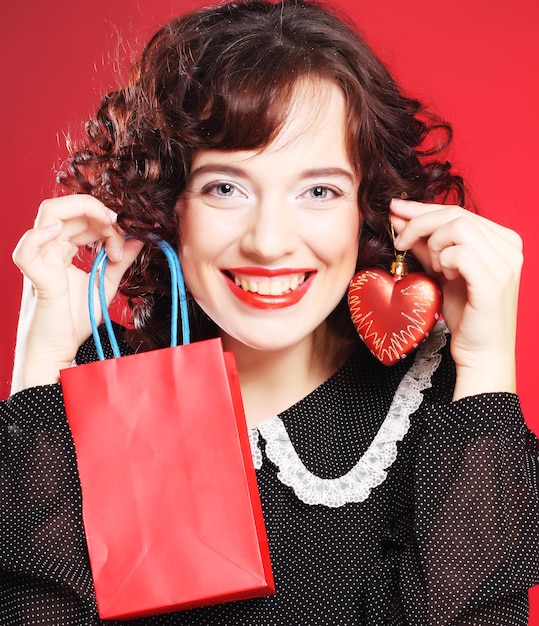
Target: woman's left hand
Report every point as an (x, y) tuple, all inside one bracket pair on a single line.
[(477, 264)]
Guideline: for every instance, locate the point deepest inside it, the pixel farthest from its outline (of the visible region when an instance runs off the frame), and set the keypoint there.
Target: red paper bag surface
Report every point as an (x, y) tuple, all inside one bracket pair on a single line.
[(170, 502)]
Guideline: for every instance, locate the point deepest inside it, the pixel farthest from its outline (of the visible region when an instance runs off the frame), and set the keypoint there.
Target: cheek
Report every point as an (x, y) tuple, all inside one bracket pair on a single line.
[(202, 243), (338, 242), (197, 236), (206, 231), (194, 249)]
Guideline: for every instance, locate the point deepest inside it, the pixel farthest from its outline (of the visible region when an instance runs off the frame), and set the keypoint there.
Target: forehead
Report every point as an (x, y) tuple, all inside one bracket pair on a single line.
[(311, 138), (314, 108)]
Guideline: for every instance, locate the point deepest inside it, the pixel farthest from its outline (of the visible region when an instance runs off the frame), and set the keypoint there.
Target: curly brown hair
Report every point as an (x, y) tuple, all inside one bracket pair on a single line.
[(221, 78)]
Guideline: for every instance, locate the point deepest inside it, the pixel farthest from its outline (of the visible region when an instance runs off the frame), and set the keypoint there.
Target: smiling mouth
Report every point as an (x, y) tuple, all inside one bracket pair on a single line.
[(269, 285), (264, 288)]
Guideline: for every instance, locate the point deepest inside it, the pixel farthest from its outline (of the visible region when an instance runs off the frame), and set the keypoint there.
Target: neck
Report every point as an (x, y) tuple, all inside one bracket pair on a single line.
[(272, 381)]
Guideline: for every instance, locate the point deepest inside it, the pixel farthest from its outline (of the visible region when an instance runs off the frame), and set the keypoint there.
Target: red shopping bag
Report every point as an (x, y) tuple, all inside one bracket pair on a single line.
[(170, 502)]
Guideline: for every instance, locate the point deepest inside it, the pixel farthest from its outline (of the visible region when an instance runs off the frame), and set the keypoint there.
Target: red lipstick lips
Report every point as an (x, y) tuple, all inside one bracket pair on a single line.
[(263, 301)]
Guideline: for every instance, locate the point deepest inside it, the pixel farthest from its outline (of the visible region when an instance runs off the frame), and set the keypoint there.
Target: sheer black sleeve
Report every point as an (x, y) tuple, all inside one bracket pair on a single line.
[(44, 572), (45, 575), (476, 547)]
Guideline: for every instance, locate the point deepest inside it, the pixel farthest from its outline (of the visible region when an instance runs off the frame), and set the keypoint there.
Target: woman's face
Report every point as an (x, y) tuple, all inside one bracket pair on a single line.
[(269, 237)]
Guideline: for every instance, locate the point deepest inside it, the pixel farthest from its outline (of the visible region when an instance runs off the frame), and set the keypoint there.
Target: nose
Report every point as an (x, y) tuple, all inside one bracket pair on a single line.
[(271, 230)]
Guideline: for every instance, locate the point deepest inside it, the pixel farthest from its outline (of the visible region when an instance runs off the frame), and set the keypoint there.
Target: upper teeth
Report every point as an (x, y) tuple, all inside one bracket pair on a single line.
[(270, 286)]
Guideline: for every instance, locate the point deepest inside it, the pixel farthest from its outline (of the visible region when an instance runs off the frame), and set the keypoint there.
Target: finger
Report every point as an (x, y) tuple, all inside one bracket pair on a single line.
[(85, 220), (65, 208), (436, 228), (116, 269), (415, 220), (467, 241), (30, 250), (461, 260), (33, 239)]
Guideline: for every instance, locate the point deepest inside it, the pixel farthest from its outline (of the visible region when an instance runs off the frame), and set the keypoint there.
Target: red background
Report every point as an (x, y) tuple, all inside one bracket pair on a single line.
[(474, 61)]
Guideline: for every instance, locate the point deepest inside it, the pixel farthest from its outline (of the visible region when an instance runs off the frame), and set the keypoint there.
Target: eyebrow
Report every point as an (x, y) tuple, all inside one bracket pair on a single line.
[(216, 168), (230, 170), (329, 171)]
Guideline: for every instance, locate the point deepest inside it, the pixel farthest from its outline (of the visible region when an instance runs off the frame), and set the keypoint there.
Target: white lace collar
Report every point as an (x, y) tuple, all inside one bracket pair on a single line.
[(371, 469)]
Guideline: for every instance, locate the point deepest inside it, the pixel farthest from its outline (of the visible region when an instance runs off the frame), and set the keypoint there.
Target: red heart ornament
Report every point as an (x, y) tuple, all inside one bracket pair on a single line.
[(393, 314)]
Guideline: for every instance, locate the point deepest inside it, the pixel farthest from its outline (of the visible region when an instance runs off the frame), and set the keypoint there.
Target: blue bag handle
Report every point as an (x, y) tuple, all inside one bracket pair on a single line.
[(179, 300)]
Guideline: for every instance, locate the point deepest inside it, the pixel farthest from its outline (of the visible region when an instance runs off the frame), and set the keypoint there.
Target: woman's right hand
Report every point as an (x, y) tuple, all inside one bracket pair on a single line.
[(54, 319)]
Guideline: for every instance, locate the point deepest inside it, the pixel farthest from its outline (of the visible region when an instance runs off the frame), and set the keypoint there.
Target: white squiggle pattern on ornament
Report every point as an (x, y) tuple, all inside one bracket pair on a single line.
[(371, 469), (389, 348)]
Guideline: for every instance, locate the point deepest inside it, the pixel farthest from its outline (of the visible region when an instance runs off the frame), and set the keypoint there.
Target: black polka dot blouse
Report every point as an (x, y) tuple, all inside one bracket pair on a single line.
[(385, 503)]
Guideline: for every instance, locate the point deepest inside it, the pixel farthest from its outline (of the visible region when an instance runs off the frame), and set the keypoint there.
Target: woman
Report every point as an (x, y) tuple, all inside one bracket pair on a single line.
[(269, 144)]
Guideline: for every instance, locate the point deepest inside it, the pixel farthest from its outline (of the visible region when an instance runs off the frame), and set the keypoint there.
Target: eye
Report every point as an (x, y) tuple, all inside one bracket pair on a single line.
[(322, 192), (220, 194), (223, 190)]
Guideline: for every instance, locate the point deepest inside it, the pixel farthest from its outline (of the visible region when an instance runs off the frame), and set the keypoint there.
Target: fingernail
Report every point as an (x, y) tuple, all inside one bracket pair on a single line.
[(398, 202), (117, 254), (54, 226)]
